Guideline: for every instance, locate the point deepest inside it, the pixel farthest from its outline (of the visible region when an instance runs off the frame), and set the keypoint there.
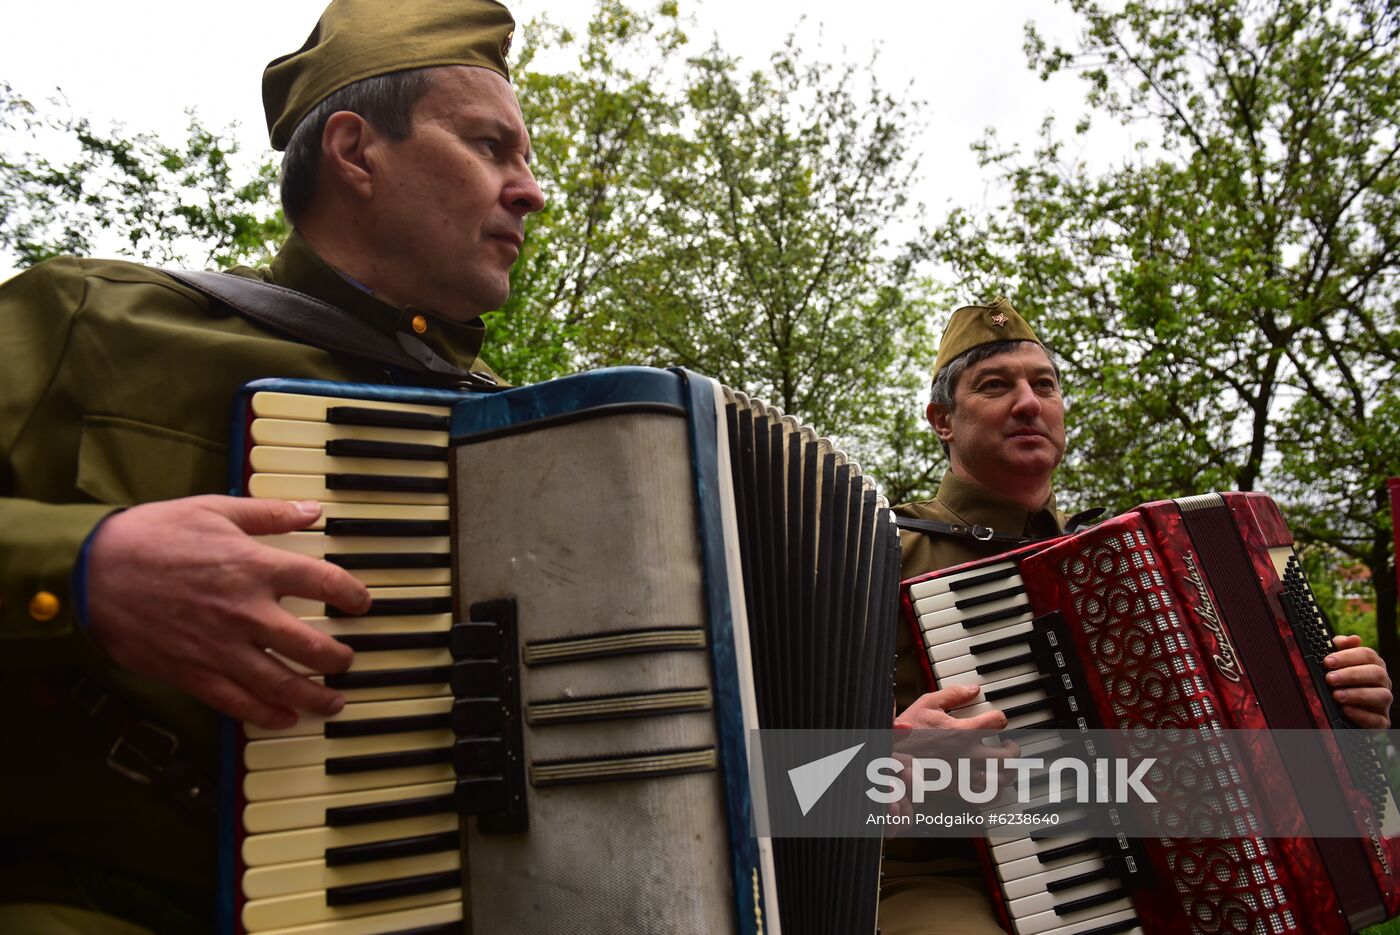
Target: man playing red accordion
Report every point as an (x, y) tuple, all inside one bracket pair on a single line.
[(998, 411)]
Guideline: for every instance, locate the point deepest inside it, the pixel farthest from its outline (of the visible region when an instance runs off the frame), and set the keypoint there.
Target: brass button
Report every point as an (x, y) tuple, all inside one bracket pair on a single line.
[(43, 606), (420, 324)]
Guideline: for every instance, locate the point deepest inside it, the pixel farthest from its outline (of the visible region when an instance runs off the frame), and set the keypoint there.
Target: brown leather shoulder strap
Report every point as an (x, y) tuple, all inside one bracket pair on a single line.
[(312, 321)]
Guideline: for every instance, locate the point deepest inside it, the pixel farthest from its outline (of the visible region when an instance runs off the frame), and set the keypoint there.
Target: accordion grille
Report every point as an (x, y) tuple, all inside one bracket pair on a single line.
[(1152, 678)]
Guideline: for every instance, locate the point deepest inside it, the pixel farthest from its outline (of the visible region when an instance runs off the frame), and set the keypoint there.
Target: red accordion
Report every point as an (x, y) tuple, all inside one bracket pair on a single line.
[(1189, 613)]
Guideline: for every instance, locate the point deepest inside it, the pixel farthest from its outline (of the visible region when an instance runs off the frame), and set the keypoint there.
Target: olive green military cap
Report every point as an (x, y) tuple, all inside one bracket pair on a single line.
[(975, 325), (358, 39)]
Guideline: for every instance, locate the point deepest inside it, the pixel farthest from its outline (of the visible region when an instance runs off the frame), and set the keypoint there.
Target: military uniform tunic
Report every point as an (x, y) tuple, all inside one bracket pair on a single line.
[(934, 885), (116, 389)]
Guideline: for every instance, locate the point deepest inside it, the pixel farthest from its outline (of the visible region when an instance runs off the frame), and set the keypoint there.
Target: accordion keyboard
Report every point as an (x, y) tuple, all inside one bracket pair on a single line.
[(354, 816), (979, 629)]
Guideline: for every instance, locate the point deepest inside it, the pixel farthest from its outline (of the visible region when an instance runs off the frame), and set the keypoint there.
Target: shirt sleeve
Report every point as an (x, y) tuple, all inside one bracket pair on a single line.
[(39, 542)]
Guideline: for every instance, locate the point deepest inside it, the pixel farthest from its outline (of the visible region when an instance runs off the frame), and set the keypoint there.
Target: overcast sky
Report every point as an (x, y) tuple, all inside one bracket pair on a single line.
[(142, 62)]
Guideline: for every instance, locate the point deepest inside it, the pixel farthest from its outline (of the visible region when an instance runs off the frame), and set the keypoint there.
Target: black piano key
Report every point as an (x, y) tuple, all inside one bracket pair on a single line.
[(401, 451), (480, 795), (1089, 902), (375, 726), (1113, 928), (1088, 846), (1019, 639), (476, 677), (995, 616), (380, 678), (417, 528), (357, 893), (1045, 682), (987, 576), (360, 560), (1028, 707), (386, 482), (988, 598), (373, 762), (1069, 883), (473, 639), (385, 418), (1008, 663), (346, 815), (477, 716), (1063, 829), (381, 642), (399, 607), (479, 756), (351, 854)]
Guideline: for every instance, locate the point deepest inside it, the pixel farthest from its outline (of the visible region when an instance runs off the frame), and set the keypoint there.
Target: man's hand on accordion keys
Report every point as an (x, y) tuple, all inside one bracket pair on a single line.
[(181, 592), (1359, 682), (930, 712)]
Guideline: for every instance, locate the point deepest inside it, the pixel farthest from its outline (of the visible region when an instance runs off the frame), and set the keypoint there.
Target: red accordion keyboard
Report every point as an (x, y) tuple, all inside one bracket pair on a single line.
[(1189, 613)]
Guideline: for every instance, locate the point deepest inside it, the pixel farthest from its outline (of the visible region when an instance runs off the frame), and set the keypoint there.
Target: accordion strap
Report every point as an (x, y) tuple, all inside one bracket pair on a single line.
[(936, 527), (312, 321)]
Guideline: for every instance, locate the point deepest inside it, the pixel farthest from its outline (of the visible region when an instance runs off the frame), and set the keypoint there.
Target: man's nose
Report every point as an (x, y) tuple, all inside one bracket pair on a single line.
[(1026, 403), (522, 194)]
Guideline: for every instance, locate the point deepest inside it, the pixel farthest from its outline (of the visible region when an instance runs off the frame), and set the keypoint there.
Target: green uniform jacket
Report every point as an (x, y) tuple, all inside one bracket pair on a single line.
[(115, 390)]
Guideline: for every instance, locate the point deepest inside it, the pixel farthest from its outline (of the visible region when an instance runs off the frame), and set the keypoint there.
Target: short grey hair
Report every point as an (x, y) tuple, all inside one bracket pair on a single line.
[(385, 101), (945, 384)]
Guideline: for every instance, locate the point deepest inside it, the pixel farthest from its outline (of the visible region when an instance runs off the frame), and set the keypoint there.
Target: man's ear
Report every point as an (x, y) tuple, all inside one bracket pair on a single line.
[(939, 418), (345, 145)]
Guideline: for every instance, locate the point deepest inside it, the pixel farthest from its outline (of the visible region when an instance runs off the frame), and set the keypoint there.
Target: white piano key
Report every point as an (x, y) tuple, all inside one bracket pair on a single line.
[(380, 923), (1089, 925), (312, 843), (297, 433), (1031, 884), (937, 602), (303, 607), (310, 811), (943, 583), (312, 875), (966, 661), (970, 677), (995, 683), (400, 577), (313, 487), (1084, 920), (265, 459), (389, 510), (951, 633), (384, 659), (408, 623), (1009, 852), (1034, 914), (1013, 868), (309, 724), (282, 752), (265, 785), (953, 615), (392, 692), (319, 545), (272, 405), (303, 908)]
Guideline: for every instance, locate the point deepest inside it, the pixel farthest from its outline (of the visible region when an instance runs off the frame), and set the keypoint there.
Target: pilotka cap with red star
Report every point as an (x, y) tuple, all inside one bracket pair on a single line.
[(975, 325)]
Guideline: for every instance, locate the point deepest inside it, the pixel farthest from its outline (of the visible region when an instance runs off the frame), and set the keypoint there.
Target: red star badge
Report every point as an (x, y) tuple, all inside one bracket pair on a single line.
[(999, 320)]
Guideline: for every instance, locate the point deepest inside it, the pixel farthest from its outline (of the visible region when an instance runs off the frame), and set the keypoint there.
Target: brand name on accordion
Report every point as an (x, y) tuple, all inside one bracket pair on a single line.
[(1226, 662)]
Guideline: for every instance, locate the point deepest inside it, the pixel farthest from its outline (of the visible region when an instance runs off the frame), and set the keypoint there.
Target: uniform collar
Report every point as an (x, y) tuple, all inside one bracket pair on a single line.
[(298, 267), (975, 504)]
